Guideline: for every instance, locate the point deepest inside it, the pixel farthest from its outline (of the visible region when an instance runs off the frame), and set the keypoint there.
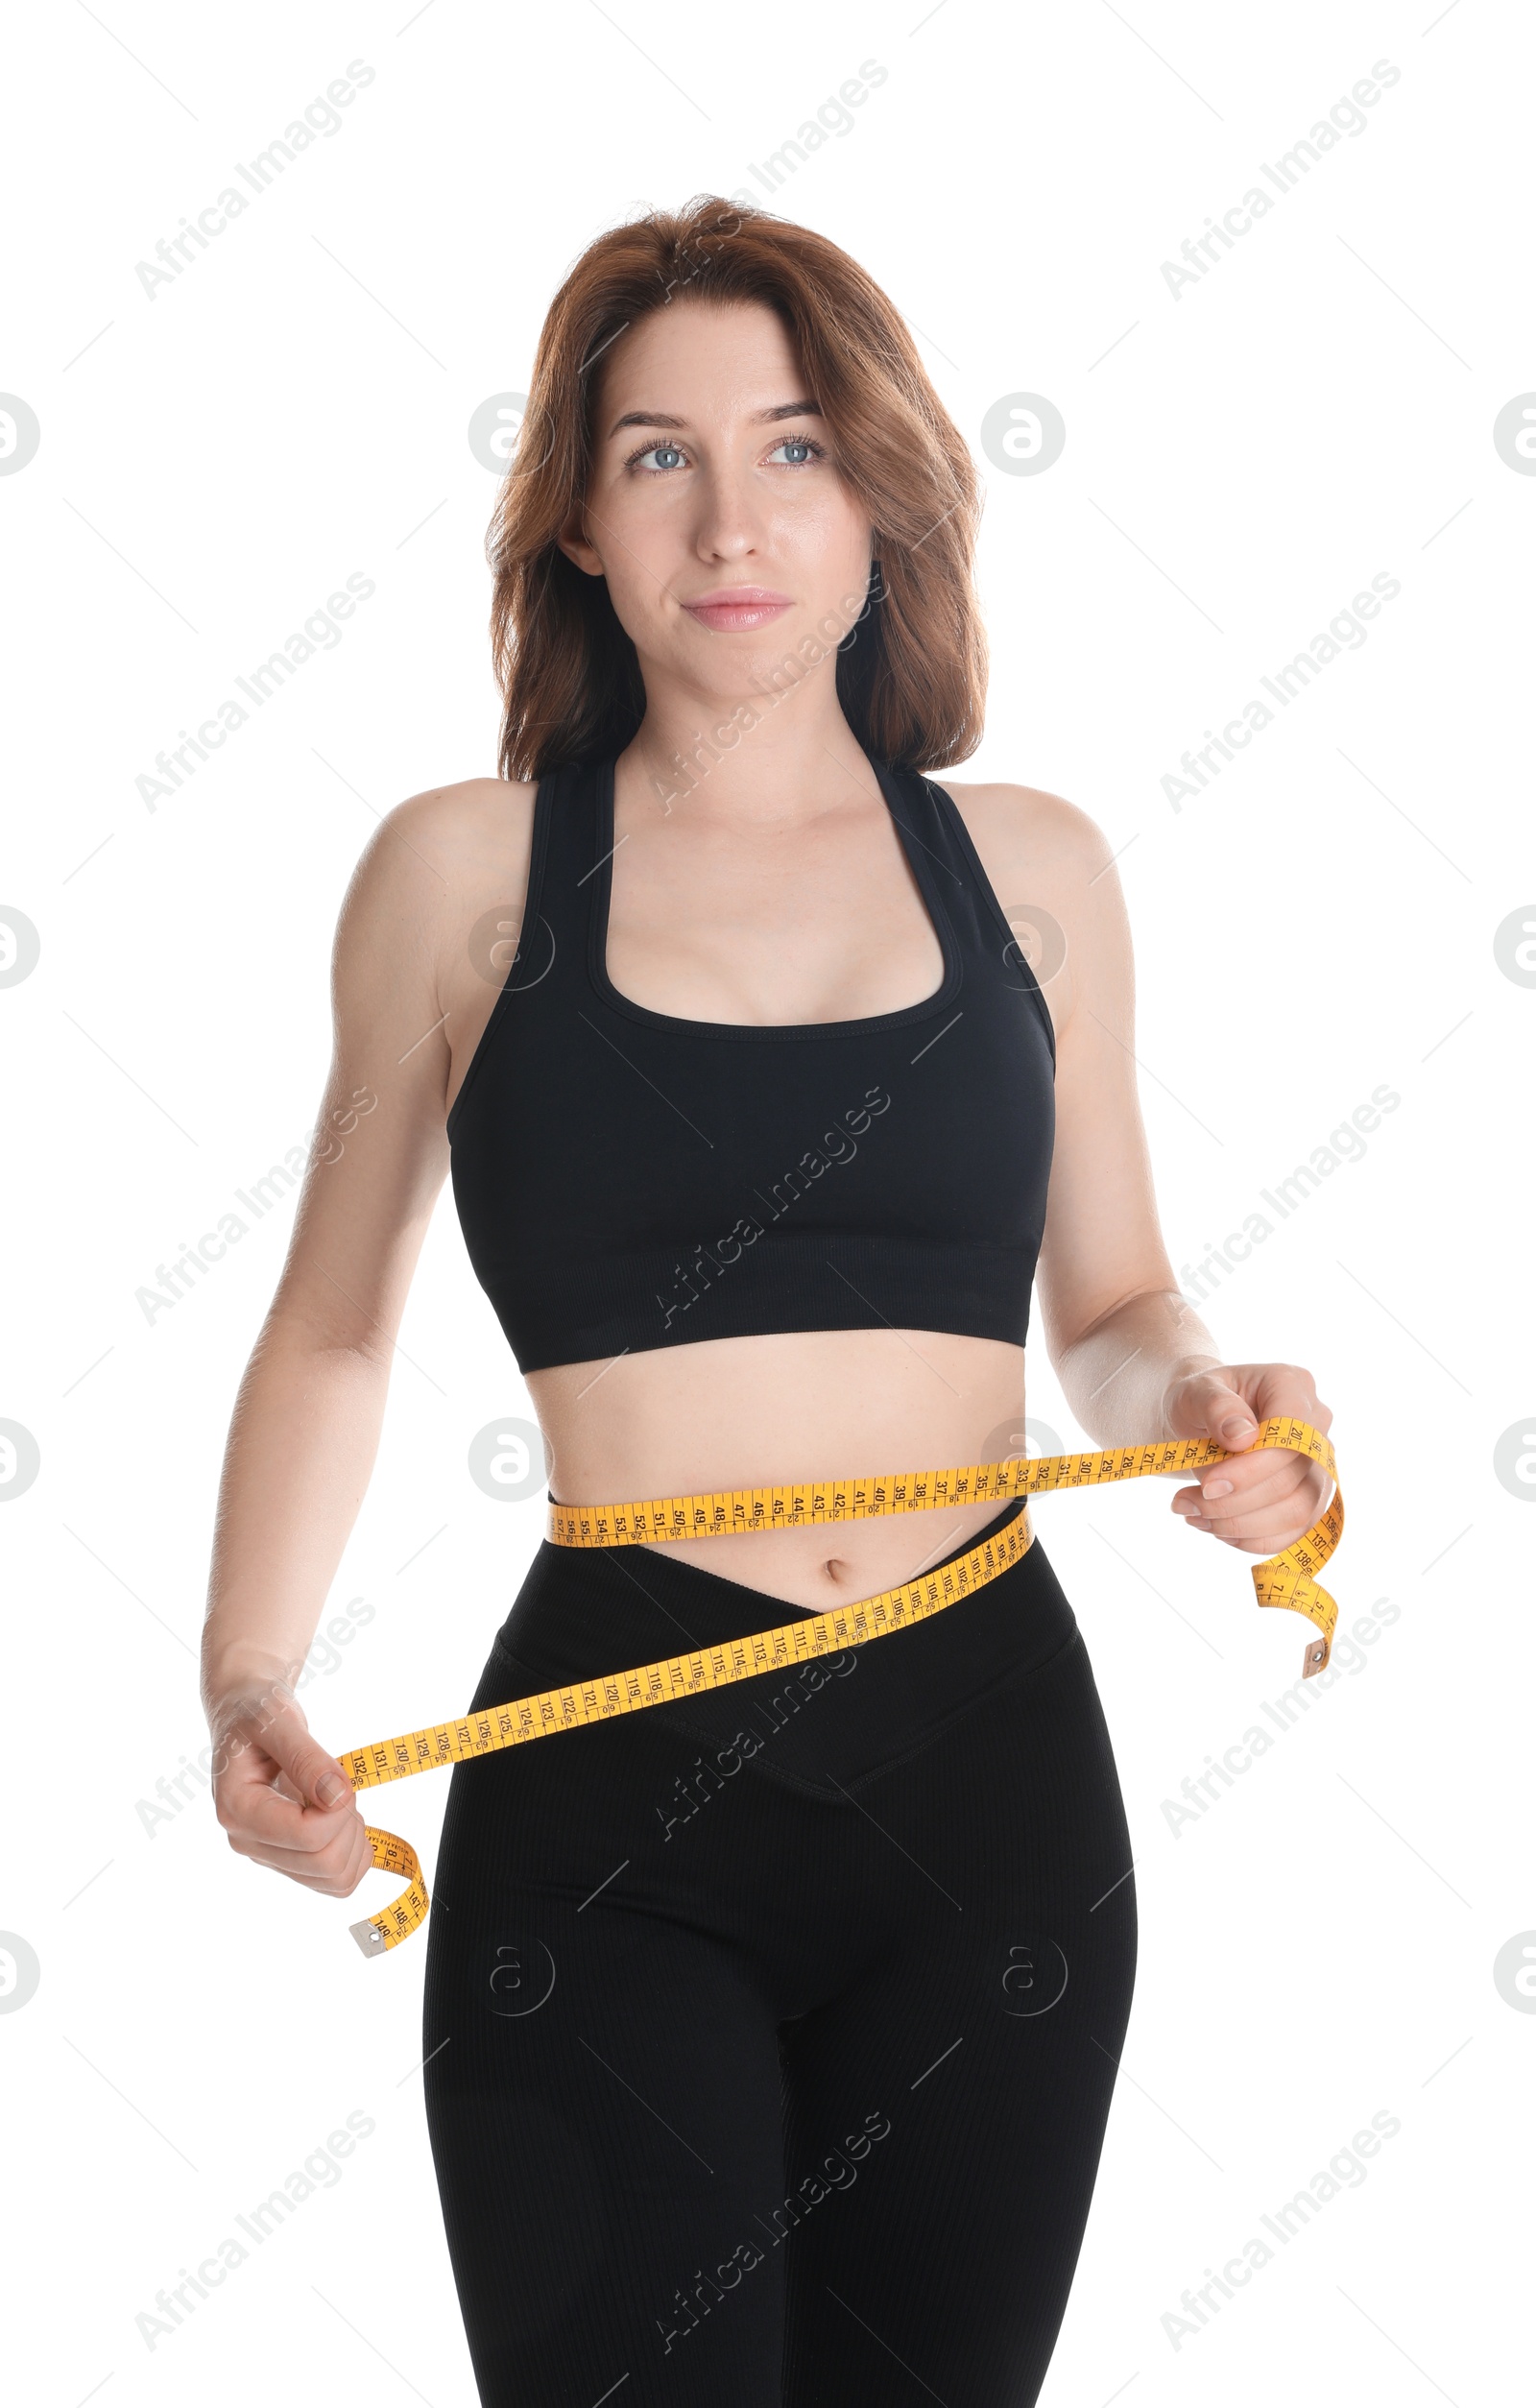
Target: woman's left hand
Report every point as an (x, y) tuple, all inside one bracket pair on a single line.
[(1258, 1503)]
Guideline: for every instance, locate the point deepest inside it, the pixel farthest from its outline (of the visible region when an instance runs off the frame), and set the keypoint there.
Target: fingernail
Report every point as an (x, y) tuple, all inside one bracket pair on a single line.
[(330, 1789), (1190, 1514), (1238, 1425), (1216, 1488)]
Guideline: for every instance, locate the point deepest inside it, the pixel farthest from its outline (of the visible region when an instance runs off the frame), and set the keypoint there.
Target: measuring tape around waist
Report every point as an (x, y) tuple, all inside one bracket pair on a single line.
[(1286, 1579)]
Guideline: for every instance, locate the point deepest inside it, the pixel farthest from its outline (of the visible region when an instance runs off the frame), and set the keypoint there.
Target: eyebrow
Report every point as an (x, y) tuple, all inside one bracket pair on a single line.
[(761, 417)]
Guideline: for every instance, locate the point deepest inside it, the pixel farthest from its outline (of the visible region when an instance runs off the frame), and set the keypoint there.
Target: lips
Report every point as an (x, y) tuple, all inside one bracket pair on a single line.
[(734, 609)]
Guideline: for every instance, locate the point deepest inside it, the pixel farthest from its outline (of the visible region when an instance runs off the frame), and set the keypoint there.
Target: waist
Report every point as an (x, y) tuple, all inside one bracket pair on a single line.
[(745, 1411), (577, 1614), (819, 1568)]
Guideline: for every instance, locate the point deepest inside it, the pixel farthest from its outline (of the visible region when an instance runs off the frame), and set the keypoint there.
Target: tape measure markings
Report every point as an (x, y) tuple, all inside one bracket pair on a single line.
[(1285, 1580)]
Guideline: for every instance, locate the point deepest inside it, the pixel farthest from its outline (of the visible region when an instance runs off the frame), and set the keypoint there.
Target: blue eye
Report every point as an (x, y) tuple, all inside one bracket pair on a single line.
[(667, 457), (654, 452)]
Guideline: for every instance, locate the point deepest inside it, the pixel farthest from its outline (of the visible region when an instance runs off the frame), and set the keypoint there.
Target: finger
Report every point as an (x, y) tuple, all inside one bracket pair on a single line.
[(1275, 1543), (1212, 1508), (1213, 1407), (1261, 1535), (275, 1733), (308, 1836), (314, 1775), (1247, 1481), (338, 1882), (346, 1853), (1292, 1515), (1282, 1392), (1263, 1392), (1254, 1471), (1291, 1498), (1258, 1482), (275, 1821)]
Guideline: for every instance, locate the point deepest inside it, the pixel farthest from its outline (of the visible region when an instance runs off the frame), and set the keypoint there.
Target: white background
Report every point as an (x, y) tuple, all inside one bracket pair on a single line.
[(1240, 460)]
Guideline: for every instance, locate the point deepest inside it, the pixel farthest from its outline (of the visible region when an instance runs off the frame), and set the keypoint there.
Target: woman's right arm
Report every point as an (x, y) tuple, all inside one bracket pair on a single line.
[(307, 1422)]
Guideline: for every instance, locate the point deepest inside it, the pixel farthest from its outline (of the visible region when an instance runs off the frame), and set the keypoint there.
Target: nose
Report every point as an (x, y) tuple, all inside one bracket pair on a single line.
[(730, 517)]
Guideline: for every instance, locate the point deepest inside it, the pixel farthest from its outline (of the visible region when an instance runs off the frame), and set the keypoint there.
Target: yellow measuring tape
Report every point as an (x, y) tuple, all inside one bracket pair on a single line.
[(1283, 1579)]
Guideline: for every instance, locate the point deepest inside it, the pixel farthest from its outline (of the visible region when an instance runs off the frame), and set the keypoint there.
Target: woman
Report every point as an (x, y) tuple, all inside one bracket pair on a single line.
[(769, 2038)]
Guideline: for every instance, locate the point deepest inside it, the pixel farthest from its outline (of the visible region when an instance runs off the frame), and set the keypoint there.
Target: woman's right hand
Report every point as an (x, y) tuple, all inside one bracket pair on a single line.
[(282, 1799)]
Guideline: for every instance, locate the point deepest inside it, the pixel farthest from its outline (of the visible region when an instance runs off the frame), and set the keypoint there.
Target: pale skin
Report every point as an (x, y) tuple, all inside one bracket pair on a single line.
[(774, 890)]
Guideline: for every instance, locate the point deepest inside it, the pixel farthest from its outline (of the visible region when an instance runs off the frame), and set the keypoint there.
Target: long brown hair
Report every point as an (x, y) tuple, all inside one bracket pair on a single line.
[(911, 680)]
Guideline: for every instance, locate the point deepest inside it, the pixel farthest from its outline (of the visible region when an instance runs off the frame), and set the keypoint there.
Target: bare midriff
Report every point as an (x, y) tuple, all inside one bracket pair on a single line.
[(741, 1413)]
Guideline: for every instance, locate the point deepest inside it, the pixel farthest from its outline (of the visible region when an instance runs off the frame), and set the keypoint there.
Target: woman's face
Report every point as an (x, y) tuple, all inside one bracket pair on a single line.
[(716, 512)]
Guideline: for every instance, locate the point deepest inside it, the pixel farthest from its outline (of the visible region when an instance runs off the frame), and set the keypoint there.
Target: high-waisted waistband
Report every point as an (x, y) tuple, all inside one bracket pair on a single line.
[(832, 1720)]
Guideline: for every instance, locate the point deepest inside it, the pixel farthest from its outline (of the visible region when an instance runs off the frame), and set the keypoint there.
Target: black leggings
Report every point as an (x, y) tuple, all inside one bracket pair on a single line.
[(770, 2039)]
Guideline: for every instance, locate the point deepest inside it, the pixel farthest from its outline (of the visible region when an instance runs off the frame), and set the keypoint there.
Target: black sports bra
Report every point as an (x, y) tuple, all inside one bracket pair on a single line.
[(626, 1180)]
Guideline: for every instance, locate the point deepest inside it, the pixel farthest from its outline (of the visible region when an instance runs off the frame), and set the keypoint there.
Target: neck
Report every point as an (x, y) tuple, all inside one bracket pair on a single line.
[(780, 750)]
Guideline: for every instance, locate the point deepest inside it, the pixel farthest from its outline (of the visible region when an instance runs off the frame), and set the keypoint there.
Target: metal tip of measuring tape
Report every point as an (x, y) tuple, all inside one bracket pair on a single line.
[(1315, 1659), (369, 1937)]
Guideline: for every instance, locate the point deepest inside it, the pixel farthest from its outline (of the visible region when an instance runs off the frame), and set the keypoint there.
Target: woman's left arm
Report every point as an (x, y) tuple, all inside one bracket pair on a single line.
[(1134, 1357)]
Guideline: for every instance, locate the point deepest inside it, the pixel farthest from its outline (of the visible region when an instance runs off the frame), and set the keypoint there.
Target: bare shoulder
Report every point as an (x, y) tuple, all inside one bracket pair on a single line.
[(436, 898), (438, 854), (456, 830), (1051, 867), (439, 868), (1028, 827)]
